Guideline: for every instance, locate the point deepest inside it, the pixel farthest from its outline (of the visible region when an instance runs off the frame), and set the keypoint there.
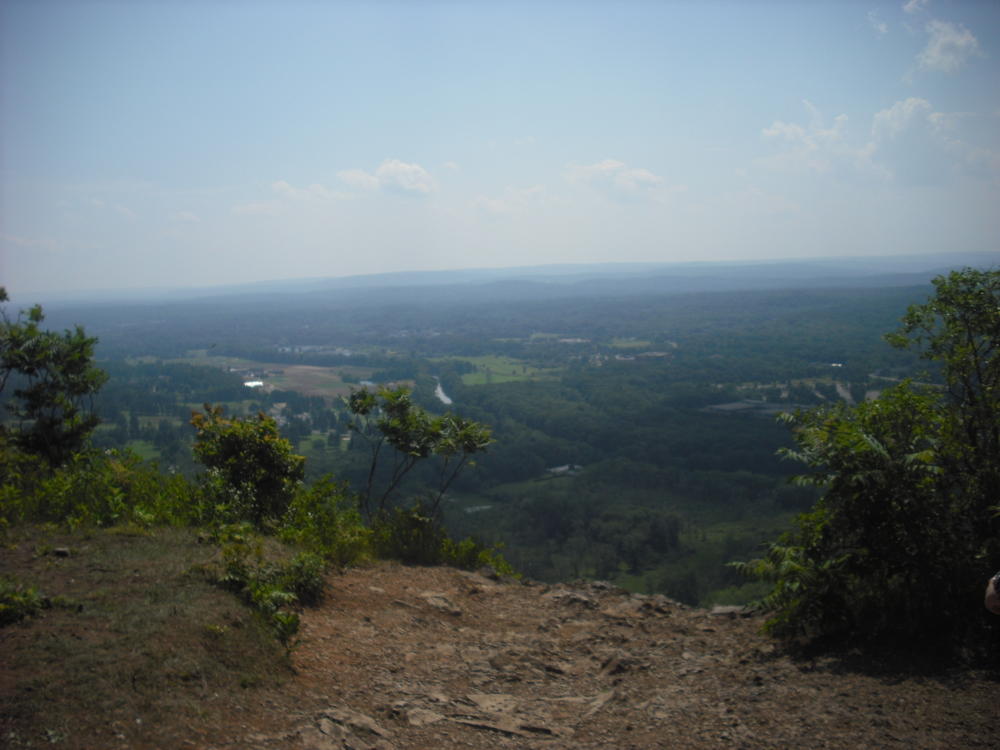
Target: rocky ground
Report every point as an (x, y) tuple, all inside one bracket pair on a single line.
[(401, 657)]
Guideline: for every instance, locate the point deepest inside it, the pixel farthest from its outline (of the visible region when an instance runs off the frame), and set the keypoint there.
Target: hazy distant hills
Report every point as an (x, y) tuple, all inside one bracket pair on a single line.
[(565, 281)]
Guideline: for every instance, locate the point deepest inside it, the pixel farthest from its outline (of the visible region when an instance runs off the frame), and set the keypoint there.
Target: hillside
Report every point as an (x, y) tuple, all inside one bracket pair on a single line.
[(140, 652)]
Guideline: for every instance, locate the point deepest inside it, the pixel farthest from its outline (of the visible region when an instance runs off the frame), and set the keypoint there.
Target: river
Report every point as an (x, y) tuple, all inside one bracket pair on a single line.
[(442, 396)]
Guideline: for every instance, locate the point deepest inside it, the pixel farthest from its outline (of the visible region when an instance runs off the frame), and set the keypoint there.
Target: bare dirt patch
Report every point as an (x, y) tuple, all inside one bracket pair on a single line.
[(310, 380), (404, 657)]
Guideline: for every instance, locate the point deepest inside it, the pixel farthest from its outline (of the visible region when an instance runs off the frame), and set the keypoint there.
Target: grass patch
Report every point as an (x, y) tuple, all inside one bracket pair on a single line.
[(141, 639), (144, 449), (629, 343), (496, 369)]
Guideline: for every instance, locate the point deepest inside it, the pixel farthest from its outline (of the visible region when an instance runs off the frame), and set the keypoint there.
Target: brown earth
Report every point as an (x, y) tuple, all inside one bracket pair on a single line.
[(402, 657), (409, 657)]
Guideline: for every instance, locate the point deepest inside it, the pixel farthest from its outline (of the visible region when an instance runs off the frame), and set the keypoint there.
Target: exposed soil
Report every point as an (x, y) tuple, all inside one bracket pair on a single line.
[(403, 657)]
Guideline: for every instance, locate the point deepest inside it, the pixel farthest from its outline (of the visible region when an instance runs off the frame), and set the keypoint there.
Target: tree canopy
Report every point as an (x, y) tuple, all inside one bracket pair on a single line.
[(258, 471), (388, 417), (54, 380)]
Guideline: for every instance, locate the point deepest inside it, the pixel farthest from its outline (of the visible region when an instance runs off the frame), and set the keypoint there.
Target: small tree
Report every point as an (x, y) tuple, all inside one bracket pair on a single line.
[(878, 552), (254, 467), (907, 530), (389, 418), (54, 381), (959, 329)]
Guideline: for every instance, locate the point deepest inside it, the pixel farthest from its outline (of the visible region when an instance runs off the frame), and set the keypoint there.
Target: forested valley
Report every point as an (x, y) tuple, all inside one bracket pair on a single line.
[(633, 417)]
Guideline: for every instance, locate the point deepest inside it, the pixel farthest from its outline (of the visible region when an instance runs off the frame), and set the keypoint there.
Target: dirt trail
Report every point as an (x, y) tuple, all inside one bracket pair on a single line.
[(402, 657)]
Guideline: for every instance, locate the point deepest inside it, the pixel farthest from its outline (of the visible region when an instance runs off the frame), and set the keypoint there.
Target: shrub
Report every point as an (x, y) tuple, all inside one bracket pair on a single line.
[(412, 535), (906, 533), (253, 473), (94, 488), (271, 588), (409, 535), (324, 519), (17, 601)]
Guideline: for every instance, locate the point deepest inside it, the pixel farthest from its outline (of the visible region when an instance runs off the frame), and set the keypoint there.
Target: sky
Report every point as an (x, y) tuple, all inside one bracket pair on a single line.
[(176, 143)]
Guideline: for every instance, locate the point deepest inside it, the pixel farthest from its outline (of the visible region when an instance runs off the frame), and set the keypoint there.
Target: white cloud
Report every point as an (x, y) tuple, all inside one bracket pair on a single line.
[(453, 165), (392, 175), (924, 146), (921, 146), (314, 192), (512, 200), (815, 147), (908, 143), (891, 122), (621, 180), (949, 47), (978, 160), (187, 217), (358, 178), (915, 6), (881, 27), (400, 176)]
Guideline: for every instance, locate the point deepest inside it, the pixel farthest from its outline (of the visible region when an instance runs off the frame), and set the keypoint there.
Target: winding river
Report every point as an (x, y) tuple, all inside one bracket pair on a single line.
[(442, 396)]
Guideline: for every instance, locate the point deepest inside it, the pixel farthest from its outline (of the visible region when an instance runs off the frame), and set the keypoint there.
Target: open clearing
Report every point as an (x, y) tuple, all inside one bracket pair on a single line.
[(629, 343), (498, 369), (309, 380)]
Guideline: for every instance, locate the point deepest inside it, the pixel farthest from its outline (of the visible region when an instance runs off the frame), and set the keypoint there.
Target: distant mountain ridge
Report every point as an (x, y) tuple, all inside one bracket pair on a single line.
[(572, 280)]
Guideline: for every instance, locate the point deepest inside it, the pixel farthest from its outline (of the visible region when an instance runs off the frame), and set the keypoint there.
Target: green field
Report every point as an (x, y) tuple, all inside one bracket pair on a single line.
[(496, 369), (620, 343), (144, 449)]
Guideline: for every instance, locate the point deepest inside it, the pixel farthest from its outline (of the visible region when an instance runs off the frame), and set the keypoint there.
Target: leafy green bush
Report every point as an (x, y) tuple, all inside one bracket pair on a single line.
[(324, 519), (271, 587), (253, 473), (412, 535), (409, 535), (303, 576), (471, 555), (97, 489), (901, 543), (17, 601)]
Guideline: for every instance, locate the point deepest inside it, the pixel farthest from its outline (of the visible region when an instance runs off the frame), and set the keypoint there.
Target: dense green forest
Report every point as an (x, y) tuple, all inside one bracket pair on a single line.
[(635, 432)]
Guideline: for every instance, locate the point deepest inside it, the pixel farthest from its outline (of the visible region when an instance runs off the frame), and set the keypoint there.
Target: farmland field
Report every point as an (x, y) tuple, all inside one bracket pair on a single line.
[(497, 369), (309, 380), (623, 343)]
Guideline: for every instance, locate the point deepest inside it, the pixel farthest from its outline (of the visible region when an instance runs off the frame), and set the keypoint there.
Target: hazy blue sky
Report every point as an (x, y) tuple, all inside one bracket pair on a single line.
[(193, 143)]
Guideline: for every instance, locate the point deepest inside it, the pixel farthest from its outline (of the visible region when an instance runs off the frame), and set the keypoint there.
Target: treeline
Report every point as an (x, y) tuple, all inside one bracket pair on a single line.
[(770, 334)]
